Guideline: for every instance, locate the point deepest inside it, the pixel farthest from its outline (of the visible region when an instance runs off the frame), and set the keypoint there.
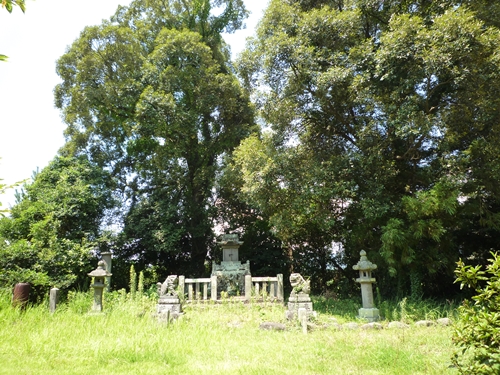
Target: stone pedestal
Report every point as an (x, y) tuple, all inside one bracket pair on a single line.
[(370, 314), (230, 273), (171, 304), (299, 301)]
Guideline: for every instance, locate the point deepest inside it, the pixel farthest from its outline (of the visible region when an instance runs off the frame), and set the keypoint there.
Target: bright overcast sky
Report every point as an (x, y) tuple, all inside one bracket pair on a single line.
[(31, 130)]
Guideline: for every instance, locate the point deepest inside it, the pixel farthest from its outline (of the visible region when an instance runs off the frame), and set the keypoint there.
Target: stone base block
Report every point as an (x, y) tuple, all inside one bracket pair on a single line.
[(372, 315), (171, 304), (294, 304)]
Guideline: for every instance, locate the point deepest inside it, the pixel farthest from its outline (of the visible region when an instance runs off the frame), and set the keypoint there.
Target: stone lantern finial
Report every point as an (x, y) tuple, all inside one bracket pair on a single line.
[(365, 268)]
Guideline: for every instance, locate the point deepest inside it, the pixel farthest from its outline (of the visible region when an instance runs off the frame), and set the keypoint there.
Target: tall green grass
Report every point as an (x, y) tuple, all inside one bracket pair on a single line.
[(405, 310), (209, 339)]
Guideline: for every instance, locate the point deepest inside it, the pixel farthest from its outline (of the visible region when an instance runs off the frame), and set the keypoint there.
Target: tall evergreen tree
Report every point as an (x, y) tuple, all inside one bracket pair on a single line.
[(150, 96)]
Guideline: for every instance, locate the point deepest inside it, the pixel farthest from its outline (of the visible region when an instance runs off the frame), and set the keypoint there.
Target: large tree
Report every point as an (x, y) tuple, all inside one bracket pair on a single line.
[(385, 124), (150, 96)]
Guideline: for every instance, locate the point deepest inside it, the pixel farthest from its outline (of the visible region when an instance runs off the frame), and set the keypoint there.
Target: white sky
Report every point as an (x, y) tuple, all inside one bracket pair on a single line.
[(31, 130)]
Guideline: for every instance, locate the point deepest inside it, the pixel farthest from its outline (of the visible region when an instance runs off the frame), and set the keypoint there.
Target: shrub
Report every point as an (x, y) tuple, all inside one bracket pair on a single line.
[(477, 332)]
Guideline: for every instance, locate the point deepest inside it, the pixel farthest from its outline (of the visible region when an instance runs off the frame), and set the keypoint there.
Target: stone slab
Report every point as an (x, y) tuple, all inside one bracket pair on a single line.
[(369, 314)]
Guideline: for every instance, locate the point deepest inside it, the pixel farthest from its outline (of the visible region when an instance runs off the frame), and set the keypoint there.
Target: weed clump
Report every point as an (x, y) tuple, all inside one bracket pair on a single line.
[(477, 332)]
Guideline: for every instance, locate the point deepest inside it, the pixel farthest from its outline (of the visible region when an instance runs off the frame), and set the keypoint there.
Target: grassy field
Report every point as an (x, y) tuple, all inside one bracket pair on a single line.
[(208, 339)]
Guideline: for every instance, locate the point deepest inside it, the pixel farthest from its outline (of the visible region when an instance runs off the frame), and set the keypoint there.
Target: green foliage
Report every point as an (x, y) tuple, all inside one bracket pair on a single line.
[(150, 96), (134, 342), (49, 238), (384, 132), (477, 331), (9, 5)]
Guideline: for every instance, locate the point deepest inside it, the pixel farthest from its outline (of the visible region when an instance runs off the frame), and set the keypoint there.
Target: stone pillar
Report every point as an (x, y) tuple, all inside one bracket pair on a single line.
[(182, 283), (213, 288), (365, 268), (248, 287), (302, 315), (279, 292), (98, 286), (53, 299), (106, 256)]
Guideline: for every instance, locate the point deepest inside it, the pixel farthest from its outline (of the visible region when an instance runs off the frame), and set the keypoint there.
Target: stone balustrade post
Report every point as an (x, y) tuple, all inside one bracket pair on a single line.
[(279, 292), (213, 288), (248, 287)]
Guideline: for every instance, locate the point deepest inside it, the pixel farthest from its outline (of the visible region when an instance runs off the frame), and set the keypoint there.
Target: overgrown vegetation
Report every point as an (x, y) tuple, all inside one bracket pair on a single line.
[(477, 333), (50, 237), (209, 338)]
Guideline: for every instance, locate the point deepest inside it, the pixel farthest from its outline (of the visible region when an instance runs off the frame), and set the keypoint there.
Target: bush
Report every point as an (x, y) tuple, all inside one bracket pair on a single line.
[(477, 332)]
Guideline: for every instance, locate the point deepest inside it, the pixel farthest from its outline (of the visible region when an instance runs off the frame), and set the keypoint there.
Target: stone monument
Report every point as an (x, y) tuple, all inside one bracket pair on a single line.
[(99, 275), (230, 272), (365, 268), (169, 302), (299, 298)]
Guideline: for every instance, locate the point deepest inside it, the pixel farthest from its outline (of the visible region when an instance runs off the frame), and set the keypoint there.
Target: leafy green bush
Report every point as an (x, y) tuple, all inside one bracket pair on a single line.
[(477, 333)]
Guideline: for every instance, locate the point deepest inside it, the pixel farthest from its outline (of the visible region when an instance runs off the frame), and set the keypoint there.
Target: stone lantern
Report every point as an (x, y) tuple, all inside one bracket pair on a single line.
[(365, 268), (99, 275)]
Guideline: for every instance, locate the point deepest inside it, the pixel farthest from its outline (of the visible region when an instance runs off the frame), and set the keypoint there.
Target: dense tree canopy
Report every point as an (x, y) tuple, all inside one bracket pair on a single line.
[(149, 95), (380, 132), (385, 124), (49, 236)]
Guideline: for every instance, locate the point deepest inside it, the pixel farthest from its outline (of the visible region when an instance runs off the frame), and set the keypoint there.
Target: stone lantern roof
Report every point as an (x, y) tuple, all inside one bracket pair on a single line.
[(364, 264), (100, 271), (230, 240)]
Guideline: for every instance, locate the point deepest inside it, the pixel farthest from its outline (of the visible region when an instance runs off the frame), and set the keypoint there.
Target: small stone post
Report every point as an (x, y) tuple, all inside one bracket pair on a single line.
[(279, 292), (248, 287), (53, 299), (365, 268), (302, 314), (182, 285), (99, 275)]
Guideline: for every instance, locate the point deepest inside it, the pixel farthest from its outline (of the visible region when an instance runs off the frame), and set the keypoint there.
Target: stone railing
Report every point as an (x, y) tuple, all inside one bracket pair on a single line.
[(264, 287), (195, 288), (270, 288)]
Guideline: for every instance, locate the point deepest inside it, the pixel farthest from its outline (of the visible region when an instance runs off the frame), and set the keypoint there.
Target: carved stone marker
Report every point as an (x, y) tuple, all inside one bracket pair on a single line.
[(365, 268), (299, 298), (169, 302)]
